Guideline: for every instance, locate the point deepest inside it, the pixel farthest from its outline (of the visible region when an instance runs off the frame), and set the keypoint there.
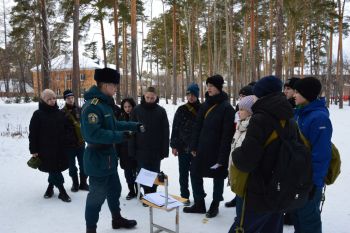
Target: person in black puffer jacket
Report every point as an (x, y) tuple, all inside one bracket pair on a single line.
[(184, 120), (211, 145), (258, 160), (127, 162), (47, 140), (150, 147)]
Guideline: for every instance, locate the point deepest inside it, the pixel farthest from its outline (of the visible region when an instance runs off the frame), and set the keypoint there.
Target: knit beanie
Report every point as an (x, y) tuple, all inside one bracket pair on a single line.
[(67, 93), (246, 103), (246, 90), (216, 80), (267, 85), (309, 88), (291, 82), (193, 89)]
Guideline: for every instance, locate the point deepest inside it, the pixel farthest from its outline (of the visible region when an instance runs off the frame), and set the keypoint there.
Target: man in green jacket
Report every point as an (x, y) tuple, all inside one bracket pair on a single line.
[(101, 131)]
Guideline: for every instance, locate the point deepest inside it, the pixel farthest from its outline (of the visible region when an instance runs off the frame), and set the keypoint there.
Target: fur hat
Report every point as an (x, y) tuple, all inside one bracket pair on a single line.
[(290, 82), (246, 103), (216, 80), (309, 88), (267, 85), (107, 75), (193, 89), (67, 93)]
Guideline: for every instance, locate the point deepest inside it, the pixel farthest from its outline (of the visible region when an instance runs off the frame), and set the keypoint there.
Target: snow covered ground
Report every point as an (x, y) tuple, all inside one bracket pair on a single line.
[(24, 210)]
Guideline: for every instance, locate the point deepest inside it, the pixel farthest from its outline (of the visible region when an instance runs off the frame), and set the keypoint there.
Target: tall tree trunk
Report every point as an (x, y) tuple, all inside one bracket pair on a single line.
[(174, 57), (45, 65), (210, 64), (125, 61), (76, 68), (252, 42), (244, 53), (190, 76), (303, 49), (181, 66), (103, 42), (140, 64), (279, 38), (133, 50), (340, 54), (329, 62), (116, 45), (215, 39), (200, 61), (166, 56), (228, 51), (271, 34)]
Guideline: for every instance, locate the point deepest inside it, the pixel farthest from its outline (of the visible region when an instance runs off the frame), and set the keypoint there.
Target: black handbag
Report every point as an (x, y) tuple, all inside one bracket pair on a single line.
[(34, 162)]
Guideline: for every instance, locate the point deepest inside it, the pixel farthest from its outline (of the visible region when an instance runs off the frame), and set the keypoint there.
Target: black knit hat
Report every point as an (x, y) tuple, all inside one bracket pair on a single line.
[(246, 90), (267, 85), (107, 75), (216, 80), (290, 82), (309, 88), (67, 93)]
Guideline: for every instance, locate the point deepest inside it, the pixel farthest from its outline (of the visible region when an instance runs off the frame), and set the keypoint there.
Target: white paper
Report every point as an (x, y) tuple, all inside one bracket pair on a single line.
[(158, 199), (146, 177)]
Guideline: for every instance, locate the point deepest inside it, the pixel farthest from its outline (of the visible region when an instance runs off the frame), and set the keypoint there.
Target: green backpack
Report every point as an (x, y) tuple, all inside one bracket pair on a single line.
[(334, 165)]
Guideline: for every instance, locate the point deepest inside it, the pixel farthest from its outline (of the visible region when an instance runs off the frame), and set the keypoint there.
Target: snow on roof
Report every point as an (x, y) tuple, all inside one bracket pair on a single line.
[(65, 62)]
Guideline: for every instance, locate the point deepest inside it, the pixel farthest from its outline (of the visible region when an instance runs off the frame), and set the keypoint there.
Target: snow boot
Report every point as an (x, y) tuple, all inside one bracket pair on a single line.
[(119, 222), (75, 185), (231, 203), (91, 230), (198, 207), (132, 194), (49, 191), (83, 183), (213, 209), (63, 194)]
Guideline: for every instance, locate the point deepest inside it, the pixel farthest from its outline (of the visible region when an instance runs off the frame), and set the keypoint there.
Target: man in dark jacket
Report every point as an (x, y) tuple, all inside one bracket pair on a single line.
[(289, 90), (258, 160), (101, 131), (75, 144), (183, 123), (211, 145), (150, 147)]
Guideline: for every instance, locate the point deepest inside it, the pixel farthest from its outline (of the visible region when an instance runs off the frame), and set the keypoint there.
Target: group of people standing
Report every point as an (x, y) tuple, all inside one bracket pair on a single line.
[(210, 139)]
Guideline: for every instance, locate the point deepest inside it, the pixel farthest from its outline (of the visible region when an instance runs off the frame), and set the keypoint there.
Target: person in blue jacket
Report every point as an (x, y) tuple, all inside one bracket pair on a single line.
[(101, 131), (314, 123)]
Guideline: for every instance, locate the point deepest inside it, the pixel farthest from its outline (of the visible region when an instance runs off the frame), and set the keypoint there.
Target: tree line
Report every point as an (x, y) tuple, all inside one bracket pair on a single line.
[(189, 41)]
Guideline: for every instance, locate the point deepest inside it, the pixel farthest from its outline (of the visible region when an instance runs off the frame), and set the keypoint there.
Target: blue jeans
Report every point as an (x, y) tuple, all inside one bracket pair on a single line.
[(184, 172), (198, 189), (259, 222), (102, 188), (56, 178), (308, 218), (78, 153)]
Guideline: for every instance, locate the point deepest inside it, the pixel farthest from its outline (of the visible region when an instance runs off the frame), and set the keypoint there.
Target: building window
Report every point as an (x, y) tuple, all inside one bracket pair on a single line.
[(68, 77), (82, 77)]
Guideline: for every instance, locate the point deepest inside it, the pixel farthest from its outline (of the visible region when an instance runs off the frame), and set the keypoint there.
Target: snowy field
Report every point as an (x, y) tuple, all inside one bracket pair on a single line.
[(24, 210)]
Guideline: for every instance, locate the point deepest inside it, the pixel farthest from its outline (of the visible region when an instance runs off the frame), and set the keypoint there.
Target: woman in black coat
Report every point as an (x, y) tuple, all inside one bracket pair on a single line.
[(47, 140), (211, 145), (127, 162)]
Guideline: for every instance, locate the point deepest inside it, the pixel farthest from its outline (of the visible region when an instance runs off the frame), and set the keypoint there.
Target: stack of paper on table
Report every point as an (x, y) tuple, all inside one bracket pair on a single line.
[(158, 199)]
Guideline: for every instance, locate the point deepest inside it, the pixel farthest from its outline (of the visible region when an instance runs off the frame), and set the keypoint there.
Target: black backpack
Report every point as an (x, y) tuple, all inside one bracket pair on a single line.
[(291, 178)]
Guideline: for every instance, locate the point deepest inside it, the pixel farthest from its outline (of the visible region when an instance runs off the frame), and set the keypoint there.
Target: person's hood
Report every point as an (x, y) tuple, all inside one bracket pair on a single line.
[(276, 104), (316, 105), (47, 108), (95, 92), (216, 99)]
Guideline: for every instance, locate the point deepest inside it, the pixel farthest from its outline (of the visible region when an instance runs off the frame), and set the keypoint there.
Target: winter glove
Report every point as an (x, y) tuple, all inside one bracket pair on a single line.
[(141, 128), (128, 134)]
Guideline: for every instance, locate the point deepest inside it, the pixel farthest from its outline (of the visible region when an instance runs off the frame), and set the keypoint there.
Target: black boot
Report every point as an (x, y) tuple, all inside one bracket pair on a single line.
[(198, 207), (132, 194), (213, 209), (63, 194), (75, 185), (49, 191), (83, 183), (119, 222), (91, 230), (231, 203)]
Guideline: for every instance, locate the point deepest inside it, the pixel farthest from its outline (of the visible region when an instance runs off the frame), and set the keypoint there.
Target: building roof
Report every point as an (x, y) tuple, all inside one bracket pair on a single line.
[(65, 62)]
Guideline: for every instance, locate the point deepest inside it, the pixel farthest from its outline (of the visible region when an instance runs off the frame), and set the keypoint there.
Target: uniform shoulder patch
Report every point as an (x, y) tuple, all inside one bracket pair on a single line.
[(92, 118), (94, 101)]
